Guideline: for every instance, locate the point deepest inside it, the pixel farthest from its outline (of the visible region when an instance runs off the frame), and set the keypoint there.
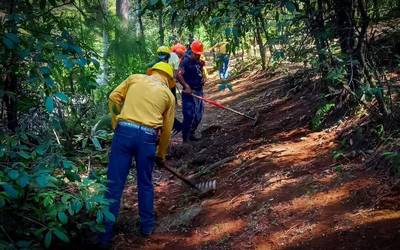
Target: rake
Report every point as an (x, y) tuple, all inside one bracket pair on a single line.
[(219, 105), (202, 187)]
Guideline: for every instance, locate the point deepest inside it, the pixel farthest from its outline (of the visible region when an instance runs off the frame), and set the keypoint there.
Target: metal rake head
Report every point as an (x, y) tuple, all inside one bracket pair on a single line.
[(207, 186)]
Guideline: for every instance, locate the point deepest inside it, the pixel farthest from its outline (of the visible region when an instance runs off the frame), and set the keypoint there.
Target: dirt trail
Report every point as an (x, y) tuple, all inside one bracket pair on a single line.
[(278, 189)]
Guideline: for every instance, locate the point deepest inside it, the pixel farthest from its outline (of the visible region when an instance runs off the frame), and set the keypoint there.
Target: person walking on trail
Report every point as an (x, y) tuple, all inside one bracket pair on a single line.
[(142, 109), (190, 75), (222, 50)]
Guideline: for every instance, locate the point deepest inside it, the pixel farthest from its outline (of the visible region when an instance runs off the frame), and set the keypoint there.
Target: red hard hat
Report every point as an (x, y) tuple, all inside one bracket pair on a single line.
[(179, 49), (197, 47)]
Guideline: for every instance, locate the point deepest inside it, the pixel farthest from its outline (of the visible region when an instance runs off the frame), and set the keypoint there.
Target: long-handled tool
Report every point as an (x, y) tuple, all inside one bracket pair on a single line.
[(202, 188), (219, 105)]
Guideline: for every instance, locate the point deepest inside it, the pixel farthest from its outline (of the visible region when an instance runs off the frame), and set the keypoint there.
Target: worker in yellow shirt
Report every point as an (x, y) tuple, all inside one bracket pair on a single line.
[(222, 51), (142, 109)]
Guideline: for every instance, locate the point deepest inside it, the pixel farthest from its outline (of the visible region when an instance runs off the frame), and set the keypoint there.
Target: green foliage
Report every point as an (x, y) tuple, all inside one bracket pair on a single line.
[(337, 75), (225, 85), (337, 154), (320, 115), (52, 168), (43, 193), (47, 194), (338, 168)]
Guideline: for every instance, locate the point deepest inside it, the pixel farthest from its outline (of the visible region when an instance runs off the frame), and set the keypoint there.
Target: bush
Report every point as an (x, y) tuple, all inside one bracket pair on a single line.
[(44, 197)]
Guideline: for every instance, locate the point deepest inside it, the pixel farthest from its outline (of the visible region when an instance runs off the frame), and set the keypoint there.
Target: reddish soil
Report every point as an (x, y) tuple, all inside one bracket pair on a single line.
[(281, 188)]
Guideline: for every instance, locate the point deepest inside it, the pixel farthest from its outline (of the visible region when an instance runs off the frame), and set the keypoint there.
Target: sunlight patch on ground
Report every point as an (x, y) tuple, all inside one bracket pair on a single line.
[(215, 232), (323, 199)]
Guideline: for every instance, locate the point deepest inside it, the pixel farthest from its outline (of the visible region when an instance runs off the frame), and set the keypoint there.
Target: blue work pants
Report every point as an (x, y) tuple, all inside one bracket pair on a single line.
[(192, 109), (223, 66), (129, 142)]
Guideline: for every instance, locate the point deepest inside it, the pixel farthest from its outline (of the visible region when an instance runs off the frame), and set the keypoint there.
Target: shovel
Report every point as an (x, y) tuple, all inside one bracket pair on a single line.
[(202, 188)]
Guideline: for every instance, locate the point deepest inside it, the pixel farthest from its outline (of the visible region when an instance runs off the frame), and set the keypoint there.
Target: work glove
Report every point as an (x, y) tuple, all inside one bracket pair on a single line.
[(187, 90)]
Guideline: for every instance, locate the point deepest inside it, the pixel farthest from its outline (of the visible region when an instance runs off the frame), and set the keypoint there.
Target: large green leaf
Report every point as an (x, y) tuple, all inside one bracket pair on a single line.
[(290, 6), (49, 81), (153, 2), (109, 216), (42, 181), (99, 217), (47, 239), (8, 43), (23, 180), (67, 164), (62, 217), (62, 96), (77, 206), (12, 37), (13, 174), (41, 149), (24, 154), (61, 235), (45, 70), (49, 103), (10, 190), (68, 63), (96, 143)]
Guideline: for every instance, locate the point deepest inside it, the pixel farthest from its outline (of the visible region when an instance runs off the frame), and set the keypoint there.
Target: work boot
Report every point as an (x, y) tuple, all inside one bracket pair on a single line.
[(146, 234)]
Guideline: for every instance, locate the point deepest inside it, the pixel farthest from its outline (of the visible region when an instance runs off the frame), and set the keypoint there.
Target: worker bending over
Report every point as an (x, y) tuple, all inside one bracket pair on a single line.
[(142, 109)]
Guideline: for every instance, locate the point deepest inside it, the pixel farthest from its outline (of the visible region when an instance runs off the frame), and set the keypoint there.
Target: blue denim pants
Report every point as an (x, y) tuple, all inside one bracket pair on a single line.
[(223, 66), (129, 142), (192, 109)]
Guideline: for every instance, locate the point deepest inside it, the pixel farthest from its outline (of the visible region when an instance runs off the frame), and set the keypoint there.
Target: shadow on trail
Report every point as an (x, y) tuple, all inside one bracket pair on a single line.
[(382, 235)]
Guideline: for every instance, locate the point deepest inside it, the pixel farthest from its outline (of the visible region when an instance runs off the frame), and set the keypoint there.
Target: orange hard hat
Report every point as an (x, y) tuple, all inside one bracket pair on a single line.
[(179, 49), (197, 47)]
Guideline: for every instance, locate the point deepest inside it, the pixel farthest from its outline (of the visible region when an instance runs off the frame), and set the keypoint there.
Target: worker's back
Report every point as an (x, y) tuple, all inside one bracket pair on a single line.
[(146, 101)]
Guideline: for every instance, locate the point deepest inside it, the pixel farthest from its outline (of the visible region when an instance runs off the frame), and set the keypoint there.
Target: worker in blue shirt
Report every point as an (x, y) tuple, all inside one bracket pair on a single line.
[(191, 77)]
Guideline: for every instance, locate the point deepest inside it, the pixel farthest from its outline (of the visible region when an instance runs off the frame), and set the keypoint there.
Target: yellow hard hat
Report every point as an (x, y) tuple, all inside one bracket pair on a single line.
[(164, 67), (164, 49)]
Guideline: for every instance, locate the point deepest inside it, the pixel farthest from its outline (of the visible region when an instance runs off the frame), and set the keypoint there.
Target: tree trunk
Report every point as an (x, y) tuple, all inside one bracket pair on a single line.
[(376, 9), (317, 27), (267, 37), (345, 30), (260, 43), (139, 21), (122, 9), (10, 77), (161, 26), (361, 52), (103, 79)]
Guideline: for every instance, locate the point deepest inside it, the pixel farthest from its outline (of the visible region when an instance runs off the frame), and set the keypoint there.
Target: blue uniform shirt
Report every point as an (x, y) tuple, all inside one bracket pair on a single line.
[(192, 72)]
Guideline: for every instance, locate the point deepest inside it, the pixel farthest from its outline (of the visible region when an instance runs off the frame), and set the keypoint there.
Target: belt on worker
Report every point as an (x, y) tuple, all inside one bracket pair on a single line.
[(137, 126)]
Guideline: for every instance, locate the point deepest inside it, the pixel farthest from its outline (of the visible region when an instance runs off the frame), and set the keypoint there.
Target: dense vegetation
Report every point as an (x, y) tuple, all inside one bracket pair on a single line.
[(60, 59)]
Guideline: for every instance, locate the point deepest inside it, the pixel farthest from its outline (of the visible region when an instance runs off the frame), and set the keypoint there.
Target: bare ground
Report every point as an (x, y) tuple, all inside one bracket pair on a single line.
[(278, 188)]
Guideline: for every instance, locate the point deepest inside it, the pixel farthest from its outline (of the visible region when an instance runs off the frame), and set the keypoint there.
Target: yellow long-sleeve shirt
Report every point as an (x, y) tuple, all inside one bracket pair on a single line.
[(145, 100), (220, 48)]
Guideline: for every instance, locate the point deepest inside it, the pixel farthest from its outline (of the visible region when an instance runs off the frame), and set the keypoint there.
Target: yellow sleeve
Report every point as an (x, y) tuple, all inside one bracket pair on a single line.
[(168, 123), (117, 98), (115, 109)]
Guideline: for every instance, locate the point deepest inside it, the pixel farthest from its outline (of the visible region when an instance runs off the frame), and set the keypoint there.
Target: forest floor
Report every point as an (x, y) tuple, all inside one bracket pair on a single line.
[(278, 186)]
